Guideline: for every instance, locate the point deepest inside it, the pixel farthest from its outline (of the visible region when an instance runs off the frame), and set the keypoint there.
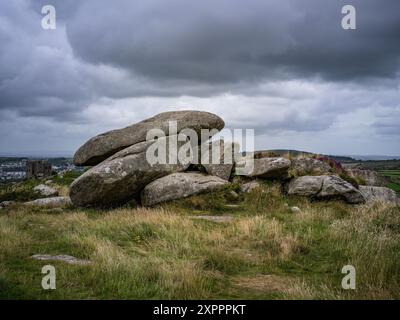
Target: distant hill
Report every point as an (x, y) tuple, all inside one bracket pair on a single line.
[(294, 153), (375, 157)]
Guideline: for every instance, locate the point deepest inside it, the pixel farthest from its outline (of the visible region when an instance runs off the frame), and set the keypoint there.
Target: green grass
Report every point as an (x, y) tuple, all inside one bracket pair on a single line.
[(390, 173), (67, 178), (394, 186), (394, 179), (265, 252), (22, 191)]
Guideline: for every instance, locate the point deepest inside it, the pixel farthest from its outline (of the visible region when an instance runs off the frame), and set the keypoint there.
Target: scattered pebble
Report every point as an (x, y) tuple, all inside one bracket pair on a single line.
[(295, 210)]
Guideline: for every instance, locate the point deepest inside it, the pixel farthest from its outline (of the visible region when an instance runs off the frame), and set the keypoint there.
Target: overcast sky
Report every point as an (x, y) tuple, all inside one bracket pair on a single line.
[(283, 67)]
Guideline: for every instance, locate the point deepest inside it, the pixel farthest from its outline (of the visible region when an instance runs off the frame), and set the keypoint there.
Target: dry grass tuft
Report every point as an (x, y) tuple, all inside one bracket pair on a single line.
[(265, 251)]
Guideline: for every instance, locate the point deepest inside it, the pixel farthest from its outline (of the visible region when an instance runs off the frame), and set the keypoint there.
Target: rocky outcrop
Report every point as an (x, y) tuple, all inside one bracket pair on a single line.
[(309, 166), (127, 168), (367, 177), (325, 187), (54, 202), (45, 190), (179, 185), (123, 175), (379, 194), (99, 148), (267, 168)]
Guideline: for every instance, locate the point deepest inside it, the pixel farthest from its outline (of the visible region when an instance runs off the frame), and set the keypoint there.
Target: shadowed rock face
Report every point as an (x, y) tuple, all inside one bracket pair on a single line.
[(325, 187), (179, 185), (105, 145), (121, 177), (268, 168)]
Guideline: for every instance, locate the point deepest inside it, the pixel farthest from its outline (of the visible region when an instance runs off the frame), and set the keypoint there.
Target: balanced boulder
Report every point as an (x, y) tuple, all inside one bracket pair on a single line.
[(325, 187), (379, 194), (100, 147), (122, 176), (179, 185)]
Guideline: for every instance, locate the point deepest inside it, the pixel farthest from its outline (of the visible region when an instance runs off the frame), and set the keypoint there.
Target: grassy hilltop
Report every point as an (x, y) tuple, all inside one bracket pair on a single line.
[(258, 250)]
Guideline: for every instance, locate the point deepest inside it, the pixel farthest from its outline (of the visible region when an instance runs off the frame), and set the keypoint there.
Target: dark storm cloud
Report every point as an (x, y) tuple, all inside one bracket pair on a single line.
[(272, 65), (230, 41), (171, 48)]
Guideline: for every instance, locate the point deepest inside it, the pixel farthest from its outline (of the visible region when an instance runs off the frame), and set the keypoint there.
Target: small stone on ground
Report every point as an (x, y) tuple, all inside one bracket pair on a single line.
[(295, 209)]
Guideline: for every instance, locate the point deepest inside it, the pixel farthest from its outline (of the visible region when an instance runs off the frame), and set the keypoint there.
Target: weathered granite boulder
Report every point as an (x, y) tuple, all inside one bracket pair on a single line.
[(219, 159), (325, 187), (122, 176), (367, 177), (250, 186), (54, 202), (306, 186), (309, 166), (379, 194), (179, 185), (267, 168), (45, 190), (106, 144)]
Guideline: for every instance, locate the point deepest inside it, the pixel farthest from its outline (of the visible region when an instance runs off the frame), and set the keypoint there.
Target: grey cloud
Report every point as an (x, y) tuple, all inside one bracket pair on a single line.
[(388, 121), (292, 53), (225, 42)]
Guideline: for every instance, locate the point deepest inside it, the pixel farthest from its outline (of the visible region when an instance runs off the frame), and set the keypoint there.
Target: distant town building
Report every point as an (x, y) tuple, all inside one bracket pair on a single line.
[(38, 169)]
